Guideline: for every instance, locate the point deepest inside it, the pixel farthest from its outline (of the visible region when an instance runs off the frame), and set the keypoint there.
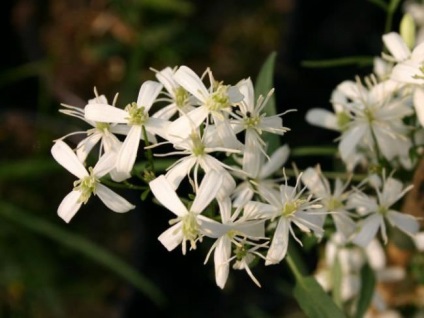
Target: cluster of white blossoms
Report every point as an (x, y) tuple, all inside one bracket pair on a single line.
[(224, 185)]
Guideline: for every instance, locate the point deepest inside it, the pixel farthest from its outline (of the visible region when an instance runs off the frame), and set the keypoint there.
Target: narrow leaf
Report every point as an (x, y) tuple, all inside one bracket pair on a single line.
[(367, 290), (82, 245), (360, 61), (314, 301), (27, 168), (264, 83)]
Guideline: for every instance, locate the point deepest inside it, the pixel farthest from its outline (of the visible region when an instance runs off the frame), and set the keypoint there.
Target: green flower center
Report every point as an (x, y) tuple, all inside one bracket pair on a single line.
[(420, 76), (291, 207), (102, 126), (86, 186), (382, 210), (333, 204), (190, 228), (240, 252), (198, 148), (219, 99), (369, 115), (181, 97), (251, 122), (342, 120), (137, 115)]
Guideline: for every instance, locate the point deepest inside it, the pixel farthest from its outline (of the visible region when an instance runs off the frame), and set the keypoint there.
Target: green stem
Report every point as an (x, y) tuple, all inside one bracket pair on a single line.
[(124, 185), (149, 153), (294, 267), (391, 9), (313, 151)]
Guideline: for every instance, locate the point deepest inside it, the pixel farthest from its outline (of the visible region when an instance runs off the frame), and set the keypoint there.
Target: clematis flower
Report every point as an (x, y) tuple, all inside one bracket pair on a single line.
[(88, 183), (333, 202), (234, 230), (189, 226), (102, 132), (136, 116), (215, 101), (288, 207), (378, 209)]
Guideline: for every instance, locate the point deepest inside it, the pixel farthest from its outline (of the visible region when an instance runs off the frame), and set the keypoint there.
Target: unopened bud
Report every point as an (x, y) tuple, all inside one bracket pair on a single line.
[(407, 30)]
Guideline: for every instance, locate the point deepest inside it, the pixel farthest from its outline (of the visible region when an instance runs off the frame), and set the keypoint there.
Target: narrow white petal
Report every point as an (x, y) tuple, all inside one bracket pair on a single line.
[(69, 206), (397, 46), (246, 89), (166, 77), (417, 54), (234, 94), (312, 180), (419, 241), (275, 162), (183, 126), (166, 195), (179, 171), (113, 200), (157, 126), (322, 118), (128, 152), (64, 155), (251, 229), (191, 82), (86, 145), (256, 210), (211, 228), (105, 114), (172, 237), (350, 140), (368, 229), (251, 154), (375, 255), (405, 72), (419, 104), (105, 164), (148, 93), (405, 222), (208, 190), (221, 258), (279, 244)]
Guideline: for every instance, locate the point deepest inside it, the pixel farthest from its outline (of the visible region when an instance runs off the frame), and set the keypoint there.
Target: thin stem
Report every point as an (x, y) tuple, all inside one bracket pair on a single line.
[(124, 185), (293, 267), (149, 153)]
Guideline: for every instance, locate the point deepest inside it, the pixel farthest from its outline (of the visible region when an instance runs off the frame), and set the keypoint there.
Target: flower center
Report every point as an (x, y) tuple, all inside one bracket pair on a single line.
[(102, 126), (198, 148), (342, 120), (190, 228), (382, 210), (181, 96), (420, 76), (86, 186), (219, 99), (290, 208), (137, 115), (333, 204), (251, 122), (369, 115)]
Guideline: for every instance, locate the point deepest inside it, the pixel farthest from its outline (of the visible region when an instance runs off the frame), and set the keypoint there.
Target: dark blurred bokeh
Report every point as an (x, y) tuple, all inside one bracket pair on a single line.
[(56, 51)]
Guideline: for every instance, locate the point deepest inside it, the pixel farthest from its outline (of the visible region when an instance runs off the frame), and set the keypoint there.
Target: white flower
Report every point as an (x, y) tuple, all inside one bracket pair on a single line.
[(377, 210), (233, 231), (332, 201), (101, 132), (197, 150), (289, 207), (259, 180), (178, 99), (88, 183), (254, 121), (190, 225), (136, 116), (216, 101)]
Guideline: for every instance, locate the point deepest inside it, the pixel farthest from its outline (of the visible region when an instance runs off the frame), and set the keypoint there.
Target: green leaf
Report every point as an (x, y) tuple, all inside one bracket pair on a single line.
[(78, 243), (380, 3), (314, 301), (264, 83), (337, 278), (367, 290), (360, 61)]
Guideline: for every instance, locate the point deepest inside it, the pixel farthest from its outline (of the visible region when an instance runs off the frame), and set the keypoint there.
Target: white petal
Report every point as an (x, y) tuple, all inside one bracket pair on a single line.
[(64, 155), (279, 244), (226, 134), (105, 114), (148, 93), (105, 164), (208, 190), (69, 206), (128, 152), (113, 200), (397, 46), (166, 77), (179, 171), (275, 162), (255, 229), (221, 258), (405, 72), (312, 180), (234, 94), (165, 194), (419, 241), (405, 222), (322, 118), (350, 140), (172, 237), (246, 89), (183, 126), (251, 154), (375, 255), (368, 230), (157, 126), (191, 82), (418, 53), (419, 104), (211, 228), (86, 145), (254, 210)]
